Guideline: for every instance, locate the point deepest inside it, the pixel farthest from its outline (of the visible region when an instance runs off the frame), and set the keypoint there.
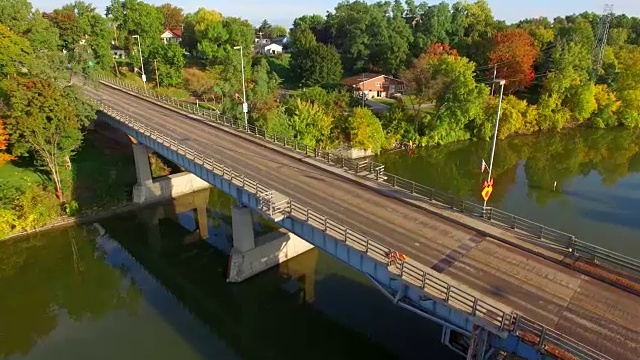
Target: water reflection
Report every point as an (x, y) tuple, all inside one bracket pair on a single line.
[(150, 288), (582, 181)]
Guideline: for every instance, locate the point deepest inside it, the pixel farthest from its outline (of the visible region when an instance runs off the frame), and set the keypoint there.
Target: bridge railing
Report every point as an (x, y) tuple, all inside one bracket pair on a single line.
[(534, 232), (437, 285)]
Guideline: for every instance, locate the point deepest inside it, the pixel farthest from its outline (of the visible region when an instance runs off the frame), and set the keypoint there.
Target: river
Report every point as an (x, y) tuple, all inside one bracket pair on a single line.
[(149, 288)]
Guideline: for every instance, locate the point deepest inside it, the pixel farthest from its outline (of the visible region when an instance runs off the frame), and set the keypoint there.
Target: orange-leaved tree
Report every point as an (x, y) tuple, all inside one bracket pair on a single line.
[(4, 142), (513, 54)]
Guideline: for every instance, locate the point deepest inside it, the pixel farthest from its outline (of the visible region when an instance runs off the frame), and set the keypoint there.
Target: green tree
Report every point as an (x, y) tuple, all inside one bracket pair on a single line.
[(627, 85), (84, 32), (309, 123), (432, 25), (458, 103), (42, 35), (473, 27), (352, 22), (133, 17), (364, 131), (170, 62), (14, 14), (263, 91), (321, 66), (568, 93), (16, 52), (44, 121), (277, 31)]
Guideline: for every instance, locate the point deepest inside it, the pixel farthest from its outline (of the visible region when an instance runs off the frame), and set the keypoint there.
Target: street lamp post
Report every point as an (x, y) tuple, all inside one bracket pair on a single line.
[(245, 106), (144, 77), (495, 132)]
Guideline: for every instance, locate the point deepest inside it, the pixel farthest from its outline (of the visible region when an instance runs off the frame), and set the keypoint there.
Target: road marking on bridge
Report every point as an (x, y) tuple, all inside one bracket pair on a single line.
[(457, 253)]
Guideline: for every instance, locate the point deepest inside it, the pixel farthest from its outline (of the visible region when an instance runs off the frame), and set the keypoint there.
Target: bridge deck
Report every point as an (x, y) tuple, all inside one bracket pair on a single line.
[(590, 311)]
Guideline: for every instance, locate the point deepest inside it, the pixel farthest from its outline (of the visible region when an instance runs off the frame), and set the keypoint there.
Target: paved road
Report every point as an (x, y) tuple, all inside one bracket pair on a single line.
[(590, 311)]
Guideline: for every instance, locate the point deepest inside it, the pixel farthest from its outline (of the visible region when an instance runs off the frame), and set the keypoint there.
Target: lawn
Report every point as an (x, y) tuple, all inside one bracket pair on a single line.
[(385, 101), (21, 173)]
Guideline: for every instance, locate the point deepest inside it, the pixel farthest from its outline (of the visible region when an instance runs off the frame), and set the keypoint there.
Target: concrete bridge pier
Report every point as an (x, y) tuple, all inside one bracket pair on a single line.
[(250, 256), (145, 190), (148, 189)]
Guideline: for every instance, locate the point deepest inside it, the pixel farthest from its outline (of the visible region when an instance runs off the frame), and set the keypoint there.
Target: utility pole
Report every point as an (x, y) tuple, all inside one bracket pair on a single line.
[(155, 65), (493, 82), (362, 89), (601, 38), (115, 65), (245, 106), (144, 77)]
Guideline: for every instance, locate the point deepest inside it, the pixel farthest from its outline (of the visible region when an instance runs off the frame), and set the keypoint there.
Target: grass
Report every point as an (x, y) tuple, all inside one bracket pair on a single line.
[(384, 101), (21, 173)]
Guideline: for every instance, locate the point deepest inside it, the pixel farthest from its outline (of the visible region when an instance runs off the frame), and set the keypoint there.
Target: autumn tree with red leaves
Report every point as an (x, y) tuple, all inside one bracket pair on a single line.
[(514, 53), (437, 50), (4, 141)]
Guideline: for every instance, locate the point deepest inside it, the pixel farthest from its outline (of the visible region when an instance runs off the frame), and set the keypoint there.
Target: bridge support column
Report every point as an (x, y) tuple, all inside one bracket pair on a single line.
[(145, 189), (250, 256)]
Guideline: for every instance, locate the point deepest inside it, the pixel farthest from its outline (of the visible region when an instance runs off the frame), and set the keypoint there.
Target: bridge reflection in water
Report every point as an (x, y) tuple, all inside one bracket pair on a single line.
[(311, 306)]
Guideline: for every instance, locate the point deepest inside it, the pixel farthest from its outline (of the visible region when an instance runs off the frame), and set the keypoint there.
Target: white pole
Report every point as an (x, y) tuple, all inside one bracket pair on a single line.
[(245, 107), (495, 132), (144, 77)]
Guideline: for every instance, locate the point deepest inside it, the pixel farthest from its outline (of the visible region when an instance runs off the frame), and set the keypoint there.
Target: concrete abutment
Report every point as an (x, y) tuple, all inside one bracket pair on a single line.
[(250, 256)]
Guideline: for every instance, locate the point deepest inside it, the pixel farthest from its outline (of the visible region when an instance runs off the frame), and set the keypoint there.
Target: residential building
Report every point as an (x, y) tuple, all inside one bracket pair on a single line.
[(171, 36), (117, 52), (282, 41), (262, 41), (374, 85), (272, 49)]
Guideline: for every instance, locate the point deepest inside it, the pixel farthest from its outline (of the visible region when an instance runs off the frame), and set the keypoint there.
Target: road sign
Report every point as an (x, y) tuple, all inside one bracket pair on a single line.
[(486, 192), (144, 78), (245, 107)]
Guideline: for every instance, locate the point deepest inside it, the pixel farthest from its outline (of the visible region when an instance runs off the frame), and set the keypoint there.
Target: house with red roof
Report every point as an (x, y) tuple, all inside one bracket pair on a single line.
[(171, 36)]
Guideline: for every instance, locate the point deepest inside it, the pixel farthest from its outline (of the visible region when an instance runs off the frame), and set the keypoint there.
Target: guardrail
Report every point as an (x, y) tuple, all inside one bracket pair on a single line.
[(436, 285), (372, 170)]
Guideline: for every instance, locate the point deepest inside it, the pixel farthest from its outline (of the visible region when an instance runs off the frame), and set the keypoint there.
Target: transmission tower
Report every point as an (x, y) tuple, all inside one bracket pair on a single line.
[(601, 37)]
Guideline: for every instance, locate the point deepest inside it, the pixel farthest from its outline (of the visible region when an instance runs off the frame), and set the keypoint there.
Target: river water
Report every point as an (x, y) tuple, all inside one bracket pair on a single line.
[(149, 288)]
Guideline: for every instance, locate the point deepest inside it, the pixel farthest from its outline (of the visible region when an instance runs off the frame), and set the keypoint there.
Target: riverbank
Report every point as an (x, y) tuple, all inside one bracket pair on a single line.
[(98, 184)]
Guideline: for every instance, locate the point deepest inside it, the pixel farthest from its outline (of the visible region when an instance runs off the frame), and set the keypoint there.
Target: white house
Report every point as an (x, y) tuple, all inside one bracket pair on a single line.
[(272, 49), (171, 36), (117, 52)]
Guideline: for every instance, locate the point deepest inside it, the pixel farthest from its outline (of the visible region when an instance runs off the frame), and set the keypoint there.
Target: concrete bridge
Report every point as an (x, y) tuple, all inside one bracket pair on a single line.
[(498, 284)]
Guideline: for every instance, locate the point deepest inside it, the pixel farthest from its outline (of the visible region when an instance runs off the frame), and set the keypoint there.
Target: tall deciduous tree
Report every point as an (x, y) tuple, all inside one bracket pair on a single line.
[(44, 120), (514, 53), (363, 130), (14, 14), (170, 62), (173, 16), (16, 52)]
